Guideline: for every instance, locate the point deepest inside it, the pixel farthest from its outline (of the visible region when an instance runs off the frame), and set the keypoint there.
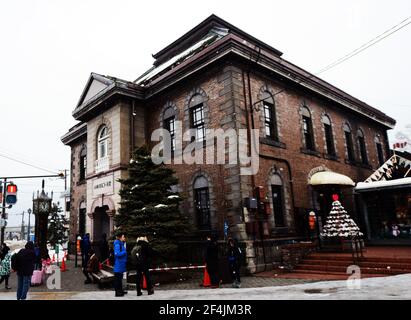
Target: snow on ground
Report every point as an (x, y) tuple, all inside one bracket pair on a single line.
[(394, 287), (383, 288)]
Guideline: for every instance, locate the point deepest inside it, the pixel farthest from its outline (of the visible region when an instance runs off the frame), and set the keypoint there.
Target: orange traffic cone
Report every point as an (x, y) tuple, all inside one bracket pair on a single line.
[(144, 286), (63, 265), (206, 281)]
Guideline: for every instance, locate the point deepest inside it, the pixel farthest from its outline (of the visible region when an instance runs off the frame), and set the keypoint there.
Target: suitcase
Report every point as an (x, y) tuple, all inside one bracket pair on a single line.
[(37, 278)]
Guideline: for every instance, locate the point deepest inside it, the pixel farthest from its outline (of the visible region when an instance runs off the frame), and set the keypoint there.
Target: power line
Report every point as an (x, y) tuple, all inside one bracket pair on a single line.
[(25, 163), (367, 45)]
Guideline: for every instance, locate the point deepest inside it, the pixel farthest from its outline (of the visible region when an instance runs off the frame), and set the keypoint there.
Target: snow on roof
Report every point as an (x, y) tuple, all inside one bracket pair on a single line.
[(212, 36), (403, 182)]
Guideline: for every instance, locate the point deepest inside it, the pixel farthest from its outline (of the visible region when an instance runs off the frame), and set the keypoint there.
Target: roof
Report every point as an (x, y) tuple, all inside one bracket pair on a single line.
[(198, 31), (384, 184)]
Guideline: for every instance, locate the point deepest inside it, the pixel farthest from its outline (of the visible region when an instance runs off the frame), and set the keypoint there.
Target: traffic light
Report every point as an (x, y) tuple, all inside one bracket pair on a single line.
[(11, 193)]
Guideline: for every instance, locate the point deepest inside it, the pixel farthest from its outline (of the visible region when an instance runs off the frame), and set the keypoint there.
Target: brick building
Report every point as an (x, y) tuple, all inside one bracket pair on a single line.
[(217, 76)]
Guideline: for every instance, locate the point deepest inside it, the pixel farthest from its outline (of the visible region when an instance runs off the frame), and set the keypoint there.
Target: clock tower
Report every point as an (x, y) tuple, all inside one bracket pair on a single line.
[(41, 210)]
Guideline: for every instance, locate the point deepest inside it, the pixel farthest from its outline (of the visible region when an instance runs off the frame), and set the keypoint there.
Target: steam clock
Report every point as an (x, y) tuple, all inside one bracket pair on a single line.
[(41, 210)]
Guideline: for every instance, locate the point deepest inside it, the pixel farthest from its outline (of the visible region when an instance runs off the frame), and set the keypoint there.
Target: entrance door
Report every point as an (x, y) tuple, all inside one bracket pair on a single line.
[(278, 205), (101, 223), (82, 222)]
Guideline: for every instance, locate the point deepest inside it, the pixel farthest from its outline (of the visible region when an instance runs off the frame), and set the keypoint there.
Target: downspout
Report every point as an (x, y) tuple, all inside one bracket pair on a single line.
[(132, 115)]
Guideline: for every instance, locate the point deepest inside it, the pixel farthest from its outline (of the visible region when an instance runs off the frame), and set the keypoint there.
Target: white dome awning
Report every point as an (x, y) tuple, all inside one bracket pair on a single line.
[(330, 178)]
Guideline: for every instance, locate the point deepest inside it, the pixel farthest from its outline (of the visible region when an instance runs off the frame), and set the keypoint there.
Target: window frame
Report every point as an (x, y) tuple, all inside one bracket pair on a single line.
[(196, 124), (83, 164), (102, 141), (308, 130), (270, 120), (348, 142), (362, 147), (329, 136)]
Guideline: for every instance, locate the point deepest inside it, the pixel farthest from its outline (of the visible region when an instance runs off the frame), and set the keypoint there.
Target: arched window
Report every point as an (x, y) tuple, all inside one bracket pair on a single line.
[(361, 145), (380, 153), (270, 120), (103, 135), (202, 203), (197, 119), (83, 163), (169, 123), (329, 139), (308, 129), (348, 141), (278, 200)]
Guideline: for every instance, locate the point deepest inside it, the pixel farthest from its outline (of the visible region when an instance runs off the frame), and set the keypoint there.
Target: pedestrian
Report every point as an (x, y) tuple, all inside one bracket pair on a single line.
[(93, 266), (104, 248), (212, 260), (5, 268), (4, 250), (234, 262), (37, 252), (141, 256), (120, 263), (24, 265), (85, 247)]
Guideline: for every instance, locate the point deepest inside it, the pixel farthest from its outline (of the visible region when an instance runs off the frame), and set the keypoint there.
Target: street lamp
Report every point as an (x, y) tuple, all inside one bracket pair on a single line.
[(28, 232)]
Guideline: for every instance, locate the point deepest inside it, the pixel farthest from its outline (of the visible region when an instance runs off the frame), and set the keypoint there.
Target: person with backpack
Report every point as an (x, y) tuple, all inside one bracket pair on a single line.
[(4, 250), (141, 256), (93, 266), (23, 263), (5, 269), (234, 261), (120, 263), (85, 246)]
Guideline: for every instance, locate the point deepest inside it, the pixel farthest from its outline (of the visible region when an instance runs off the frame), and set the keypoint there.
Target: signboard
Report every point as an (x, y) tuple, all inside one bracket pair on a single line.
[(104, 185)]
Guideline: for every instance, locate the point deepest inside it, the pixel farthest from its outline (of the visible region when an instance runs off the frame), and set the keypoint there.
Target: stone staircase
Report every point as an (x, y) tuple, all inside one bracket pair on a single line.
[(329, 264)]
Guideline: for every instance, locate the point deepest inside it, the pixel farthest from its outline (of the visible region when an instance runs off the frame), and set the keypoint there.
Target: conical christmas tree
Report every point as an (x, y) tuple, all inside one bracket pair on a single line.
[(57, 230), (150, 205), (339, 224)]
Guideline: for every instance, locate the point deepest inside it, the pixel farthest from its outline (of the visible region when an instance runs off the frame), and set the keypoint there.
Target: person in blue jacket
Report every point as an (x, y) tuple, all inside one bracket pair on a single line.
[(120, 262)]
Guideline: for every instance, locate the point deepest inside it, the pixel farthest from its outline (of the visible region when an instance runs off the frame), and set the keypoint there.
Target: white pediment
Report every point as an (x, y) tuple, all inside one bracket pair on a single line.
[(95, 87)]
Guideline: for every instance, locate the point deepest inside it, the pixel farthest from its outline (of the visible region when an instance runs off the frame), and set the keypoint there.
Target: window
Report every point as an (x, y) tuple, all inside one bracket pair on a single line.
[(170, 125), (308, 130), (380, 153), (329, 139), (202, 203), (102, 143), (83, 163), (197, 122), (348, 141), (270, 121), (361, 145)]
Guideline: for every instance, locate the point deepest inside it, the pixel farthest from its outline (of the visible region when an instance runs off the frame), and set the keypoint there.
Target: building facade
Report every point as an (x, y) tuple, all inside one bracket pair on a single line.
[(218, 77)]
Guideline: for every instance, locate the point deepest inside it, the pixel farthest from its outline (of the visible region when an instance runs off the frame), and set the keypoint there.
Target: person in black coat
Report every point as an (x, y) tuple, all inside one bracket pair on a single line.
[(141, 256), (24, 265), (211, 260), (234, 261)]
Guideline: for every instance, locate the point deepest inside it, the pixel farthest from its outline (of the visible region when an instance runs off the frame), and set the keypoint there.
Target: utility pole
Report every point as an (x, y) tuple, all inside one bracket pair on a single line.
[(3, 213), (22, 225)]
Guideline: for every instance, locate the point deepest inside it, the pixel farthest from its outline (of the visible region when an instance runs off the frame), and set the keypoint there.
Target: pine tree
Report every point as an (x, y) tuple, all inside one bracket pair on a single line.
[(57, 230), (149, 207), (339, 224)]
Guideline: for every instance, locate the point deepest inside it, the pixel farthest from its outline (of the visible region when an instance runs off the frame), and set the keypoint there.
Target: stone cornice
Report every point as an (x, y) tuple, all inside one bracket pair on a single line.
[(74, 133)]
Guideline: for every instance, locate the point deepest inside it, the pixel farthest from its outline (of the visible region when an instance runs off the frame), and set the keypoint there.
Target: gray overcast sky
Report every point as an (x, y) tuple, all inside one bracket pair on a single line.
[(49, 48)]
